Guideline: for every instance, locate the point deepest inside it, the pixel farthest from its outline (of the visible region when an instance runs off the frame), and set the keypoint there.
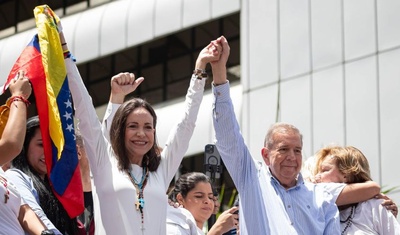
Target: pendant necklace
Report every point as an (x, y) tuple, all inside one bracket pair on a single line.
[(6, 192), (139, 186), (348, 221)]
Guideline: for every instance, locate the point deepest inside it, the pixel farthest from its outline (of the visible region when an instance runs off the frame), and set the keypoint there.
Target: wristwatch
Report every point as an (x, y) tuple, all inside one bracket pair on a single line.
[(47, 232)]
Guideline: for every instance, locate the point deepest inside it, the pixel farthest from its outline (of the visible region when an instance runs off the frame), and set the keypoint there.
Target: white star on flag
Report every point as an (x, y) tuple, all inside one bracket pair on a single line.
[(69, 127), (68, 104), (67, 115)]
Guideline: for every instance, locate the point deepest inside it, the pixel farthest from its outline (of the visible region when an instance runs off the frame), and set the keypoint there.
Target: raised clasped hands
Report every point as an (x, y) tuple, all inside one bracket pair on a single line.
[(224, 53), (219, 65), (216, 53), (211, 53)]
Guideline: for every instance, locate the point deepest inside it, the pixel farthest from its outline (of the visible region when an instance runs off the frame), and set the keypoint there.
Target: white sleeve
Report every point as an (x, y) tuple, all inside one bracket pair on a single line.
[(179, 136), (97, 147), (175, 229), (333, 188), (107, 119), (384, 221), (180, 222)]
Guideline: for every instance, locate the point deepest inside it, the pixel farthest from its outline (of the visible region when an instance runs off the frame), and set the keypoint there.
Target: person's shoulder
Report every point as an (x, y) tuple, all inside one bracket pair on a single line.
[(179, 216), (16, 173), (333, 188), (324, 186), (181, 221), (315, 188), (373, 203), (320, 191)]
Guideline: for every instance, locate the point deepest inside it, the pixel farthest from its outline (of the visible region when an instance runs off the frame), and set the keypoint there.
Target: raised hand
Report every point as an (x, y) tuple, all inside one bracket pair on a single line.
[(20, 86), (219, 66), (121, 85), (211, 53), (223, 43)]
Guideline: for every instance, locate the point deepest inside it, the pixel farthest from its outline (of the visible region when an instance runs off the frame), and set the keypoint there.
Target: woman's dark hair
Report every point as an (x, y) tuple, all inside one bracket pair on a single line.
[(117, 135), (186, 183), (51, 206)]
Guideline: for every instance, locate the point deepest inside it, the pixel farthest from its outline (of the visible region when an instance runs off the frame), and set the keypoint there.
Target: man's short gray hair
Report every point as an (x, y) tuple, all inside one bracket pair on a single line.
[(279, 127)]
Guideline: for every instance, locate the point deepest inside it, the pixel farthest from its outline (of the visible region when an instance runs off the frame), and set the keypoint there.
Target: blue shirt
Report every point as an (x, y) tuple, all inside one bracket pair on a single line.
[(309, 204), (265, 206)]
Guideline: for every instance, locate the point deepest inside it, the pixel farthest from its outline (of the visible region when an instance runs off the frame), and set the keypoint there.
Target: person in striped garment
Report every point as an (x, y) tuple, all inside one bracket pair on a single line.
[(274, 199)]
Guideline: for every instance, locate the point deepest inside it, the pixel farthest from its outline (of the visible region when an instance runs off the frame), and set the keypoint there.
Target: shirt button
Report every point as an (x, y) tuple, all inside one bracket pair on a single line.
[(218, 93), (289, 206)]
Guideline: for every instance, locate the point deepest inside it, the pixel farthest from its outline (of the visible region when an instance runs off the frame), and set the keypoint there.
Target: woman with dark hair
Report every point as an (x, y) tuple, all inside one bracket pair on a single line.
[(16, 217), (28, 173), (151, 157), (130, 173), (193, 191)]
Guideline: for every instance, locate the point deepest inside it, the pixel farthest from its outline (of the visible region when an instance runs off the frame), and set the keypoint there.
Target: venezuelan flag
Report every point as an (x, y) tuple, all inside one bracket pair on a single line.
[(43, 62)]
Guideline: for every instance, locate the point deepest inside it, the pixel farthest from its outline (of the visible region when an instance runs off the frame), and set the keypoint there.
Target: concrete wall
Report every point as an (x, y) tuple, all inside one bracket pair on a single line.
[(331, 68)]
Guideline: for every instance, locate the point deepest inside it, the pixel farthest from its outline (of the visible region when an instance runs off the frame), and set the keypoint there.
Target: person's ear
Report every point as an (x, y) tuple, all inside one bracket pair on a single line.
[(344, 180), (78, 151), (265, 155), (179, 198)]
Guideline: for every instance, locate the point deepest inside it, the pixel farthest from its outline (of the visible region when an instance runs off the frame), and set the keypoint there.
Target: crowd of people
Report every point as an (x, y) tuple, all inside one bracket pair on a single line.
[(126, 173)]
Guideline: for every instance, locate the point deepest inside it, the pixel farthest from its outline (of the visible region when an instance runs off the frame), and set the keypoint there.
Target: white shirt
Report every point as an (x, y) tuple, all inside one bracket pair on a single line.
[(181, 222), (29, 194), (334, 189), (114, 195), (370, 217), (9, 212)]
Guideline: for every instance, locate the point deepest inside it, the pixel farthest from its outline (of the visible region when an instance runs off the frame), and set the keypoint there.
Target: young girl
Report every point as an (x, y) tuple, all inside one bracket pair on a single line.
[(193, 191)]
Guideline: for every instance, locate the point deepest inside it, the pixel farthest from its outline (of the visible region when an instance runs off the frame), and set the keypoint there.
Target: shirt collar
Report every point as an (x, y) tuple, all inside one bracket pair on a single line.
[(300, 180)]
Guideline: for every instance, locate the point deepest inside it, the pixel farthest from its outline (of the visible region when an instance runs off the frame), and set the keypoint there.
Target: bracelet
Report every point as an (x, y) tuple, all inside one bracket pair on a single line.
[(200, 73), (17, 98), (67, 54), (47, 232), (220, 83)]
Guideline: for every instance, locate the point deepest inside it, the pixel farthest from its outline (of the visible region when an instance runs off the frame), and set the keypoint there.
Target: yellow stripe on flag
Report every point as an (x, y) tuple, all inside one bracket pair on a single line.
[(54, 68)]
